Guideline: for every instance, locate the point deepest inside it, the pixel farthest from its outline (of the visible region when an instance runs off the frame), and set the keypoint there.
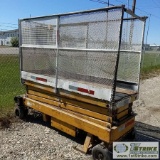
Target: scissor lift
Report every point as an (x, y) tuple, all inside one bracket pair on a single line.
[(81, 71)]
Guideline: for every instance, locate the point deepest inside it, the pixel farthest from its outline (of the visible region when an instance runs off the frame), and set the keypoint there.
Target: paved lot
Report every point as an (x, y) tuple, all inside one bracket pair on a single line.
[(9, 50)]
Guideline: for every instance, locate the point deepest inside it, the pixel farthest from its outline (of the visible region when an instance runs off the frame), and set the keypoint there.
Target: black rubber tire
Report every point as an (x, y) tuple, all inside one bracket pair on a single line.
[(25, 112), (132, 135), (100, 153), (21, 112)]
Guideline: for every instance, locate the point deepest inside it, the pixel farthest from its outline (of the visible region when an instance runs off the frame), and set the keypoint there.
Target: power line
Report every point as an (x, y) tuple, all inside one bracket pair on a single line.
[(121, 2), (148, 13), (155, 2), (148, 29), (138, 9), (103, 2)]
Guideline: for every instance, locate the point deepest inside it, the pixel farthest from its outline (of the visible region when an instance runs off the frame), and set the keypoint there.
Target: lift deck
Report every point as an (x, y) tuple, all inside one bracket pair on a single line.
[(81, 71)]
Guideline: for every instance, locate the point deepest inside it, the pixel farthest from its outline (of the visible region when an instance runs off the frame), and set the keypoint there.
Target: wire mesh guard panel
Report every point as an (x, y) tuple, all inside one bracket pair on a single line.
[(89, 46), (39, 61), (94, 30), (129, 62), (87, 66), (39, 31)]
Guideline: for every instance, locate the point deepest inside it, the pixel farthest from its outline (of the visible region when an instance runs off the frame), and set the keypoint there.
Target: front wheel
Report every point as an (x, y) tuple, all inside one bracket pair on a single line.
[(100, 153)]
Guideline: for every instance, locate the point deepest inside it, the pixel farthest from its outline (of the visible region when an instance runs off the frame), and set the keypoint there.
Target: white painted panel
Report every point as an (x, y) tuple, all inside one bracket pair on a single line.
[(99, 92)]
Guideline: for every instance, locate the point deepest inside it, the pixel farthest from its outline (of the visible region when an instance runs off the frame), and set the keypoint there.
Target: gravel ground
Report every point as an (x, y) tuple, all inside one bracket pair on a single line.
[(148, 107), (34, 140)]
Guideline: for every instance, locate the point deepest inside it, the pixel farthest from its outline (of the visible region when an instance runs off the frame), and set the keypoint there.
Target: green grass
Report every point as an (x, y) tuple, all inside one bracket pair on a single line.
[(10, 85), (151, 62)]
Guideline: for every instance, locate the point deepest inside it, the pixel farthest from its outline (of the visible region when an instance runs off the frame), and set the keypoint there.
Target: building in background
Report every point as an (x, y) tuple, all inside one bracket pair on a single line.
[(146, 47), (150, 47), (5, 36), (155, 47)]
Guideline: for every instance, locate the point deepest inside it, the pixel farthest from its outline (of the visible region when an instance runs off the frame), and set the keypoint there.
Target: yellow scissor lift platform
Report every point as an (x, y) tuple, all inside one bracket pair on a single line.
[(81, 71), (70, 112)]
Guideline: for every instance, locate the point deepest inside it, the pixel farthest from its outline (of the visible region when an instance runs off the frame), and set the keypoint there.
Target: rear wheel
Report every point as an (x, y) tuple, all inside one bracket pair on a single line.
[(100, 152), (21, 112), (132, 135)]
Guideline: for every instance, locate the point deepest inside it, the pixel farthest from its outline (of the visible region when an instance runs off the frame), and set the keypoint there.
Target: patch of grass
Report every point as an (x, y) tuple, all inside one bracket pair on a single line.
[(10, 85), (150, 63)]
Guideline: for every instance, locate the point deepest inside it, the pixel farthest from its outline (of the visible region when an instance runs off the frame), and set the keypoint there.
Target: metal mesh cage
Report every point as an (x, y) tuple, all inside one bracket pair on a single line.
[(39, 61), (132, 35), (87, 66), (39, 31), (83, 49), (130, 55), (91, 30), (88, 48)]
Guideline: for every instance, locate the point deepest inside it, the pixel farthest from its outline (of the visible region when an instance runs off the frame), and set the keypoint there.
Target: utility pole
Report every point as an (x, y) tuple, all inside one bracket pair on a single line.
[(133, 6), (132, 23)]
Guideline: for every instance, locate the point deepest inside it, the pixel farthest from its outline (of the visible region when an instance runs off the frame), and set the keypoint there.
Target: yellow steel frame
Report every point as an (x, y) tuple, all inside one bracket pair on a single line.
[(73, 101), (69, 111), (90, 127), (78, 121)]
